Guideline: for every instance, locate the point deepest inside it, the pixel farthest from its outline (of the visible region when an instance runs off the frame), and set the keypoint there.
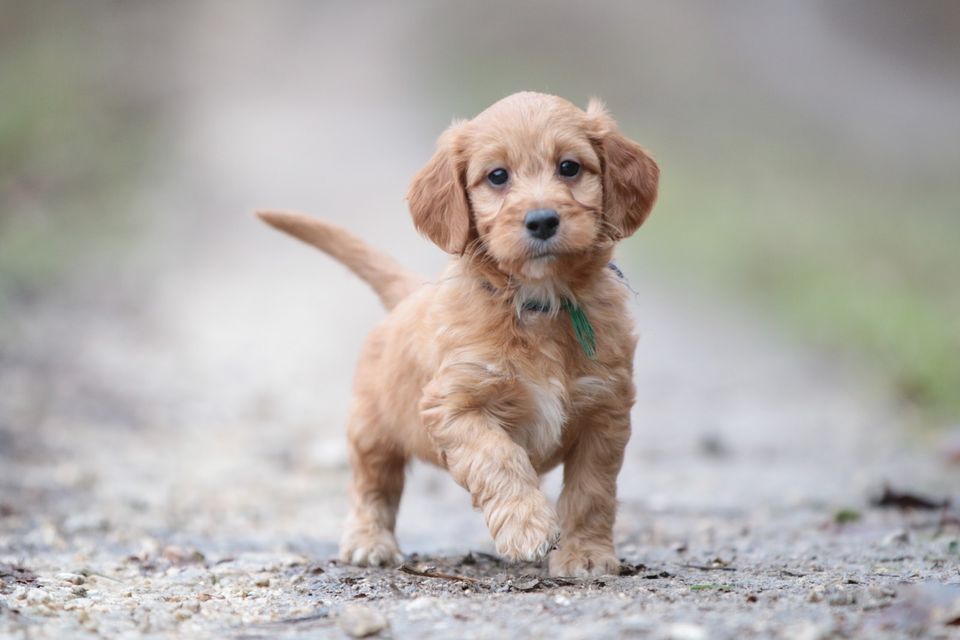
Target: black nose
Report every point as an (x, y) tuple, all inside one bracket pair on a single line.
[(541, 223)]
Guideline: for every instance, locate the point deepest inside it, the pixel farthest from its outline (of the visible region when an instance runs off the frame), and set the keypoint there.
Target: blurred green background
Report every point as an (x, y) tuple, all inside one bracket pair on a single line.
[(810, 150)]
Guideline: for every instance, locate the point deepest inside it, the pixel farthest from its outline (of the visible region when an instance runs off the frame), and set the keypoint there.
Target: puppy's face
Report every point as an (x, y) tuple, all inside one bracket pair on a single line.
[(533, 180), (534, 183)]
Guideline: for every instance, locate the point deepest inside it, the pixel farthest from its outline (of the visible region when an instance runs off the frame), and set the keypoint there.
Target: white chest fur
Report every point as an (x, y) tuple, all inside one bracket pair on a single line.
[(549, 415)]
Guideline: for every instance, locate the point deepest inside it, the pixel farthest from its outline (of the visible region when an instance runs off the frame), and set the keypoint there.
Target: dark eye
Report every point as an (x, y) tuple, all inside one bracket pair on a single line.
[(498, 177), (569, 168)]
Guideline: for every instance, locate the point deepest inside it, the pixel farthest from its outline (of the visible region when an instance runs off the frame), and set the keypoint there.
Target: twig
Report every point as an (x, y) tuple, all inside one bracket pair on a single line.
[(906, 501), (322, 614), (436, 574), (87, 572), (487, 556), (706, 567)]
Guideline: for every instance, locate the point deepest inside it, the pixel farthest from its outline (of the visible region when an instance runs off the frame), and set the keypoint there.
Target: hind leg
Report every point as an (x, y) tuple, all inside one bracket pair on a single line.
[(378, 473)]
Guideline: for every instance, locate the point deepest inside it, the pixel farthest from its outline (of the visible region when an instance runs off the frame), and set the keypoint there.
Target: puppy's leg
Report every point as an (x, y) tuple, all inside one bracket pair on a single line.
[(503, 484), (588, 502), (378, 473)]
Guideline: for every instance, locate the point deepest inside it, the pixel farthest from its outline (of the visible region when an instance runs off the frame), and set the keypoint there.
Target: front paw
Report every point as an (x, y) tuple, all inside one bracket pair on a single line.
[(370, 549), (526, 529), (581, 560)]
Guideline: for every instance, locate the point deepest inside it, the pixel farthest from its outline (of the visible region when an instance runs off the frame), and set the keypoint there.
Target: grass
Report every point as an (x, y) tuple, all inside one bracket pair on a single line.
[(847, 516), (858, 262), (70, 144)]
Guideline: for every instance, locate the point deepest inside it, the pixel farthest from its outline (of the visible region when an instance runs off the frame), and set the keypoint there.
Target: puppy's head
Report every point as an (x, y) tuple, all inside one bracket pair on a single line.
[(534, 183)]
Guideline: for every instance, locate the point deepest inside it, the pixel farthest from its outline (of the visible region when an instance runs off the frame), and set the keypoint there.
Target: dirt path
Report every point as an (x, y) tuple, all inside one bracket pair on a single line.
[(172, 457), (178, 467)]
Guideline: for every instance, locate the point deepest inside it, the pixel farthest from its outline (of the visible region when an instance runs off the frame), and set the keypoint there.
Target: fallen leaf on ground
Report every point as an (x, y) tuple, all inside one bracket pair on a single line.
[(892, 498)]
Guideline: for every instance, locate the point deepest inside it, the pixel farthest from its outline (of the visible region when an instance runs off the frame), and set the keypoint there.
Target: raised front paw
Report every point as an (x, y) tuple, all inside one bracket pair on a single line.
[(580, 560), (370, 549), (525, 529)]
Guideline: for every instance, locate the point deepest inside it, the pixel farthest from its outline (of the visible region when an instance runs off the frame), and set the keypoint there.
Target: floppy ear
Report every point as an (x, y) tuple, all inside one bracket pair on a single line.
[(438, 195), (630, 176)]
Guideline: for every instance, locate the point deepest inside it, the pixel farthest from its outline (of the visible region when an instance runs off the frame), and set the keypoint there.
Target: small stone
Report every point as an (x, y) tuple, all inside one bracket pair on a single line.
[(882, 592), (71, 578), (85, 523), (685, 631), (815, 595), (636, 625), (807, 630), (180, 556), (420, 605), (841, 596), (263, 581), (562, 600), (528, 584), (901, 536), (37, 597), (358, 621)]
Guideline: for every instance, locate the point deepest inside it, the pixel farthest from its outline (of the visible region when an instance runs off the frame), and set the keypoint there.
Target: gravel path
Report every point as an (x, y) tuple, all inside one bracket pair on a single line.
[(154, 485), (171, 440)]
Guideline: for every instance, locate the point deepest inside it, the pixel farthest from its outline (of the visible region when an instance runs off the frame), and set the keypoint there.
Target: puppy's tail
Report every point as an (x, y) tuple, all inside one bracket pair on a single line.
[(389, 280)]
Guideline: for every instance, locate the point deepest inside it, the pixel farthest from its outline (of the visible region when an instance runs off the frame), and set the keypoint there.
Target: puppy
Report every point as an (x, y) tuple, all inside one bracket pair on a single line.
[(519, 358)]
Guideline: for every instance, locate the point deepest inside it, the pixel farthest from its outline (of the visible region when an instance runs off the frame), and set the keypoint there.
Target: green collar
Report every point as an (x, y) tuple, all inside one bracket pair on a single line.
[(582, 328)]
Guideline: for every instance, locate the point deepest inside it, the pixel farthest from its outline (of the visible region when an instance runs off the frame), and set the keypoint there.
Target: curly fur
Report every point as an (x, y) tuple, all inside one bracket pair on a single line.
[(462, 375)]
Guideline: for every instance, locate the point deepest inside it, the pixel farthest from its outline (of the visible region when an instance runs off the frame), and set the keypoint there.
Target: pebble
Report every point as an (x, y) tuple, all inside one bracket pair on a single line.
[(684, 631), (636, 625), (420, 605), (901, 536), (181, 555), (85, 523), (841, 596), (358, 621), (808, 630), (37, 597)]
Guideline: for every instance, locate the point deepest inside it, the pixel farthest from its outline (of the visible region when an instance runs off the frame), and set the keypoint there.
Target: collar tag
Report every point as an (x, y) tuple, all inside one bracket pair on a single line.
[(582, 328)]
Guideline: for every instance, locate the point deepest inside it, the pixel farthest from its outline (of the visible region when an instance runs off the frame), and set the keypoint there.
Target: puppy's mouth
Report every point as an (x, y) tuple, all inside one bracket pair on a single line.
[(543, 251), (544, 255)]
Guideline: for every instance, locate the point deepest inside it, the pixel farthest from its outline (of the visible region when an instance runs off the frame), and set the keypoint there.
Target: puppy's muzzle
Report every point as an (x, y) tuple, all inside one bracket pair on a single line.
[(541, 223)]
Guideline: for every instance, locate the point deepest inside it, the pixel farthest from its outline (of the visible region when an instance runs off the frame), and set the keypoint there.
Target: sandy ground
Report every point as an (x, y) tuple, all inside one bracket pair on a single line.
[(172, 450)]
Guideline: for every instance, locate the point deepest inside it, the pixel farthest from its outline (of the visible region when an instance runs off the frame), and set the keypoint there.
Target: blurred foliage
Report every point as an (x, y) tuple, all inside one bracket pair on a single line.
[(858, 268), (810, 151), (838, 216), (71, 142)]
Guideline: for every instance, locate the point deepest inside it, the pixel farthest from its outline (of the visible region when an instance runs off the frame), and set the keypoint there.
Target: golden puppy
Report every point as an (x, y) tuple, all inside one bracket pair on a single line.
[(520, 356)]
